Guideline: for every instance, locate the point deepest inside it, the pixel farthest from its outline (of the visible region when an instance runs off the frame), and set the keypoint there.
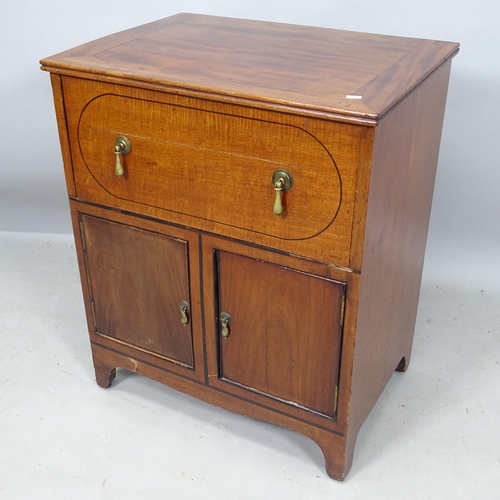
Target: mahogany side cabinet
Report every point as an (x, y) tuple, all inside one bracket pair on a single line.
[(250, 204)]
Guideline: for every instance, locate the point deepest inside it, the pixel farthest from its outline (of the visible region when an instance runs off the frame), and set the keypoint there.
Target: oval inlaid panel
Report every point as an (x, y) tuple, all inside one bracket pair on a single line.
[(212, 166)]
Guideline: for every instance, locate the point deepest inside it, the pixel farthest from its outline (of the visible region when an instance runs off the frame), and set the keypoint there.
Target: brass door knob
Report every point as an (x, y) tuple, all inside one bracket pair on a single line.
[(282, 181)]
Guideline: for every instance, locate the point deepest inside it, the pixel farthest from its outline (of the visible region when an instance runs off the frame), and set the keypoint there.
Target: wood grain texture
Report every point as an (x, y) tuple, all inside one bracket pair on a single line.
[(405, 155), (137, 280), (62, 128), (104, 375), (214, 173), (288, 323), (289, 265), (133, 274), (331, 444), (360, 196), (309, 68), (199, 163), (213, 106)]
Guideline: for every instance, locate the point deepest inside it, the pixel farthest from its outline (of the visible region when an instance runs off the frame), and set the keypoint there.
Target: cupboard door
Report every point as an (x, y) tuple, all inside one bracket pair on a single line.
[(137, 280), (284, 337)]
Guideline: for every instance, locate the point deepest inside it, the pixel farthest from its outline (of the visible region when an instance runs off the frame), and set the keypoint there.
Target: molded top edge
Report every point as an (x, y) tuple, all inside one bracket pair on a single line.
[(333, 72)]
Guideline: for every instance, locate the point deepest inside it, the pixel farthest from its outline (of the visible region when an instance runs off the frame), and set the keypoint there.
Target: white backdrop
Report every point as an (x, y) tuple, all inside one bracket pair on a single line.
[(465, 228)]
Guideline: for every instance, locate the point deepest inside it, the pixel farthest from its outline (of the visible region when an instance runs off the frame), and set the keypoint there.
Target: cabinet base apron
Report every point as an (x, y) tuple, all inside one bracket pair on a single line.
[(338, 457)]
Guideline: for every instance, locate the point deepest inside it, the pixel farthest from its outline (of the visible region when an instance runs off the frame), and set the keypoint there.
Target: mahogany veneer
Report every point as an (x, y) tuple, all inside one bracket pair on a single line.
[(321, 298)]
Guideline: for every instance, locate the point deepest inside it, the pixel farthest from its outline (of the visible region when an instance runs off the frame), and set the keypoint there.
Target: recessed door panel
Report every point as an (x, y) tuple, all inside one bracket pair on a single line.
[(137, 281), (284, 333)]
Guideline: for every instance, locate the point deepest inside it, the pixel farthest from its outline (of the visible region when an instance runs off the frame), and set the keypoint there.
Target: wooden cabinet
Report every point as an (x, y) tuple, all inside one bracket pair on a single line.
[(250, 204)]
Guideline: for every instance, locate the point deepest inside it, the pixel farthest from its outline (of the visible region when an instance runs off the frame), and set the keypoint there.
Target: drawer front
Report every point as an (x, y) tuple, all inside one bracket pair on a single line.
[(209, 166)]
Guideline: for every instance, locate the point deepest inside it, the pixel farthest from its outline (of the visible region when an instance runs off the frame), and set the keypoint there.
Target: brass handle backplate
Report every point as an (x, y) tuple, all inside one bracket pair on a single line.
[(122, 147), (282, 181), (184, 308), (225, 321)]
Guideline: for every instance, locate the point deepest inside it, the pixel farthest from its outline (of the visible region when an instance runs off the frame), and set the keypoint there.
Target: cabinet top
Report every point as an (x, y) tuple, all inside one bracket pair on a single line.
[(358, 76)]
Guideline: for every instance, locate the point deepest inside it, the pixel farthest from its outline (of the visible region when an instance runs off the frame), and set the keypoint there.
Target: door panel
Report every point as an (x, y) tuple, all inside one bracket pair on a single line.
[(284, 338), (137, 279)]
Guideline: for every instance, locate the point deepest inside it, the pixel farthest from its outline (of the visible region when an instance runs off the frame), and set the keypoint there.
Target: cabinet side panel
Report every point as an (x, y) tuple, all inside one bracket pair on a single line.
[(63, 133), (404, 164)]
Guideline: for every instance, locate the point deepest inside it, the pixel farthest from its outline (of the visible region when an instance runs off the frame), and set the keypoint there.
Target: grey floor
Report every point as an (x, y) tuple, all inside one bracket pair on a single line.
[(434, 434)]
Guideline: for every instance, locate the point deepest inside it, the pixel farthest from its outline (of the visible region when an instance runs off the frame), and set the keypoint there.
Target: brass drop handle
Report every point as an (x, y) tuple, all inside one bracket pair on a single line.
[(122, 147), (278, 205), (282, 181), (184, 308), (225, 321)]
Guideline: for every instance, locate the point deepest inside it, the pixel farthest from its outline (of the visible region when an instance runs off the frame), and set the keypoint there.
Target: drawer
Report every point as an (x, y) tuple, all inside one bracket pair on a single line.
[(210, 166)]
